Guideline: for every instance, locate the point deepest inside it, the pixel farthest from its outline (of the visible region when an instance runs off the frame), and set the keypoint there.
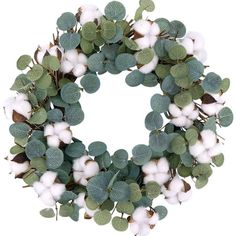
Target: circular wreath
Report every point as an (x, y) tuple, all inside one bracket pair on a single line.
[(183, 142)]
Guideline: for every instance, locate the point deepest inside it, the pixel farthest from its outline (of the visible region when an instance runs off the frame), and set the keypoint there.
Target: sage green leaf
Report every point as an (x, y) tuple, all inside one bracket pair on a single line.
[(16, 150), (135, 192), (177, 52), (141, 154), (161, 211), (125, 61), (201, 182), (70, 41), (107, 205), (226, 117), (51, 63), (40, 94), (178, 145), (145, 56), (108, 30), (89, 31), (212, 83), (103, 160), (75, 215), (52, 90), (160, 103), (44, 82), (110, 51), (159, 48), (55, 115), (55, 158), (97, 148), (21, 83), (183, 99), (135, 78), (66, 21), (115, 11), (125, 207), (120, 159), (19, 130), (120, 192), (66, 210), (178, 29), (153, 121), (39, 164), (118, 36), (202, 170), (92, 205), (102, 217), (197, 91), (159, 141), (67, 196), (90, 83), (75, 150), (150, 80), (139, 14), (191, 135), (225, 85), (147, 5), (187, 159), (196, 69), (131, 44), (58, 102), (184, 171), (179, 71), (47, 213), (143, 202), (153, 190), (23, 62), (218, 160), (120, 224), (35, 73), (86, 46), (164, 24), (210, 124), (38, 117), (169, 86), (34, 149), (162, 71), (74, 115), (70, 93), (96, 62)]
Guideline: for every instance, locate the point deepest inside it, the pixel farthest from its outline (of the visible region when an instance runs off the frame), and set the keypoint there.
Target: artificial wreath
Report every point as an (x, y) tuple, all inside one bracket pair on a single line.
[(183, 143)]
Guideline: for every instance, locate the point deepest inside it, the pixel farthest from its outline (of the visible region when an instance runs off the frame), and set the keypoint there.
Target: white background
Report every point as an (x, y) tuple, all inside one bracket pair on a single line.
[(116, 114)]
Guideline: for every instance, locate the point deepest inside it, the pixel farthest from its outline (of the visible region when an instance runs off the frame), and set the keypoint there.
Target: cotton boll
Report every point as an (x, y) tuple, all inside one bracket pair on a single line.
[(198, 40), (188, 109), (194, 115), (167, 193), (204, 158), (47, 198), (21, 97), (148, 68), (173, 200), (19, 168), (83, 160), (214, 151), (175, 110), (144, 230), (143, 27), (91, 169), (139, 214), (152, 41), (163, 165), (208, 138), (57, 190), (176, 184), (154, 219), (150, 167), (60, 126), (134, 227), (77, 166), (82, 59), (79, 70), (24, 108), (80, 201), (196, 149), (155, 29), (183, 197), (84, 181), (78, 176), (161, 178), (65, 136), (48, 178), (180, 121), (209, 109), (48, 130), (53, 141), (201, 55), (66, 67), (39, 188), (149, 178), (187, 43), (143, 42), (72, 56)]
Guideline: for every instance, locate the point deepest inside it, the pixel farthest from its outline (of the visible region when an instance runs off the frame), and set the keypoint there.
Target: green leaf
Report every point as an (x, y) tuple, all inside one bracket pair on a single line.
[(67, 196), (66, 210), (144, 202), (44, 82), (32, 99), (184, 171), (145, 56), (102, 217), (225, 85), (70, 41), (169, 86), (179, 71), (47, 213), (34, 149), (66, 21), (38, 117), (92, 205), (55, 158), (135, 192), (150, 80), (183, 99), (131, 44), (153, 121), (159, 48), (125, 61), (86, 46), (90, 83), (55, 115), (75, 215), (120, 159), (70, 93), (160, 103), (147, 5), (96, 62), (141, 154), (202, 170), (120, 224), (75, 150), (135, 78), (103, 160), (218, 160), (162, 71), (108, 30), (35, 73), (187, 159), (125, 207), (16, 150), (196, 69), (164, 24), (107, 205), (89, 31), (23, 62), (153, 190), (39, 164), (51, 63), (212, 83), (192, 136), (178, 29), (21, 83), (197, 91), (97, 148), (201, 182), (177, 52), (115, 11), (74, 115), (120, 192), (226, 117), (19, 130), (30, 178), (178, 145), (159, 142), (161, 211)]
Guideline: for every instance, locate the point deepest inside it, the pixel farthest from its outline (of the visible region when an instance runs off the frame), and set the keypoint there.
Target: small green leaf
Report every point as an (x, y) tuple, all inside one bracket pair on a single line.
[(19, 130), (218, 160), (16, 150), (153, 121), (131, 44), (96, 62), (202, 170), (90, 83), (212, 83), (147, 5), (115, 11), (161, 211), (201, 182), (226, 117), (89, 31), (74, 115), (160, 103), (70, 41), (177, 52), (34, 149), (47, 213), (55, 115), (150, 80), (192, 136), (141, 154), (55, 158), (38, 117), (30, 178), (108, 30), (145, 56), (35, 73), (75, 150), (44, 82), (21, 83), (125, 207), (66, 210), (97, 148), (70, 93), (23, 62), (39, 164), (120, 224), (107, 205), (67, 196), (51, 63), (183, 99), (103, 160), (125, 61), (120, 192), (184, 171), (225, 85), (102, 217), (135, 78), (66, 21), (153, 190), (179, 71), (169, 86), (92, 205), (178, 29), (159, 142), (135, 192), (120, 159)]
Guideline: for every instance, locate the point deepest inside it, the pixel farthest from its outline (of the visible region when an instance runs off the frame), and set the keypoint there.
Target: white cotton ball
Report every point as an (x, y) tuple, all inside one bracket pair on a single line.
[(154, 219), (204, 158), (53, 141), (196, 149), (82, 59), (209, 109), (176, 184), (188, 109), (60, 126), (149, 178), (201, 55), (214, 151), (65, 136), (143, 27), (53, 51), (39, 188), (87, 16), (83, 160), (143, 42), (88, 7), (79, 70), (208, 138), (188, 123), (19, 168), (163, 165), (148, 68), (77, 165), (57, 190), (134, 227), (140, 214), (150, 167), (84, 181), (183, 197), (220, 98), (78, 176), (168, 193), (175, 110), (91, 169), (47, 198), (8, 107), (48, 130), (155, 29), (173, 200), (72, 56), (161, 178), (21, 97), (24, 108), (144, 230), (187, 43), (80, 201), (198, 40), (180, 121), (219, 107), (66, 67), (48, 178), (152, 41), (194, 115)]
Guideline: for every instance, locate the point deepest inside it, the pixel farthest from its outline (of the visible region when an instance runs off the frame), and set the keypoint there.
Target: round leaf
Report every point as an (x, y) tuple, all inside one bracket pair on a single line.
[(135, 192), (89, 31), (120, 224), (74, 115), (212, 83), (135, 78), (19, 130), (178, 145), (75, 150), (70, 41), (226, 117), (102, 217), (141, 154), (55, 158), (120, 159), (47, 213), (161, 211), (90, 83), (35, 149), (120, 192), (153, 190), (177, 52), (153, 121), (66, 21), (35, 73), (159, 142), (115, 11), (125, 61), (51, 63), (125, 207), (97, 148), (108, 30), (39, 117), (183, 99), (23, 62), (145, 56), (96, 62), (70, 93), (160, 103)]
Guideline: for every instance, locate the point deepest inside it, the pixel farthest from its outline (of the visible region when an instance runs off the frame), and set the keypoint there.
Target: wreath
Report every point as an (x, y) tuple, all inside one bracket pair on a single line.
[(183, 143)]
